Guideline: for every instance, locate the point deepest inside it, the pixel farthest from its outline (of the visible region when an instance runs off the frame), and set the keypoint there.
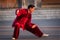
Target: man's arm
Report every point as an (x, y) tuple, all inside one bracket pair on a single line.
[(23, 21), (32, 25), (18, 12)]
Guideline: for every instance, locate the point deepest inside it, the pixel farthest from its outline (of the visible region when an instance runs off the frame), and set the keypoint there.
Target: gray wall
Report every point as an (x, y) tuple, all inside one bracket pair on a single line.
[(9, 14), (43, 17)]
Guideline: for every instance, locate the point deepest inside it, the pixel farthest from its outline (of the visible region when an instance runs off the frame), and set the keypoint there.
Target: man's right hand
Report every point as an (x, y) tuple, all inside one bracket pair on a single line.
[(33, 26)]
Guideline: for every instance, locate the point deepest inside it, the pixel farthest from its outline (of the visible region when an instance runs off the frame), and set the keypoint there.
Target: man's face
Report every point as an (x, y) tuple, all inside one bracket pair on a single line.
[(32, 9)]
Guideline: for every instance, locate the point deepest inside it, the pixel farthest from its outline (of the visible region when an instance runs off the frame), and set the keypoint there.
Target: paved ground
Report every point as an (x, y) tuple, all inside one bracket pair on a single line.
[(51, 27), (6, 34)]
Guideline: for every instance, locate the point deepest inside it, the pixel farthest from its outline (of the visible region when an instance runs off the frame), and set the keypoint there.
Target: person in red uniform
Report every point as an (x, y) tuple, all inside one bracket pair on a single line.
[(23, 20)]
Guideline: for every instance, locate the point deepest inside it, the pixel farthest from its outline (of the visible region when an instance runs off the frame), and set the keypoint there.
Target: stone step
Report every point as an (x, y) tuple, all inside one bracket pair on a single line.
[(45, 13), (39, 22), (49, 30)]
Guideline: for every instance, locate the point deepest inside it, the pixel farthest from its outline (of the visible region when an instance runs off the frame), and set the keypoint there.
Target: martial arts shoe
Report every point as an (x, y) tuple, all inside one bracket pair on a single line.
[(45, 35), (14, 39)]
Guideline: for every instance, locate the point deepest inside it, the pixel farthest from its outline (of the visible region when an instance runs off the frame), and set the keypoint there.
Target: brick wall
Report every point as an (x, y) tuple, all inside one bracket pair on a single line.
[(8, 3), (52, 2)]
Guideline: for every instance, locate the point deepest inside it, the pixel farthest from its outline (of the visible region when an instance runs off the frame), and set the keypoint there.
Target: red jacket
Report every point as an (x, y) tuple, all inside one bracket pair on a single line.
[(23, 18)]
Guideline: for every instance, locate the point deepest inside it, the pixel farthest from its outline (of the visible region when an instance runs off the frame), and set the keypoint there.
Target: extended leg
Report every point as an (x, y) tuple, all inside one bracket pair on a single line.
[(36, 31)]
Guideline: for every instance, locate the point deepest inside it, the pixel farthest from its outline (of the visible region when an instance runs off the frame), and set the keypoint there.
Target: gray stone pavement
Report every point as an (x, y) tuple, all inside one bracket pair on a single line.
[(54, 34)]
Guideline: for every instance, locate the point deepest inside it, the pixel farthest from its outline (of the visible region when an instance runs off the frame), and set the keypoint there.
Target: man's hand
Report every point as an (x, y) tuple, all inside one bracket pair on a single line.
[(17, 12), (33, 26)]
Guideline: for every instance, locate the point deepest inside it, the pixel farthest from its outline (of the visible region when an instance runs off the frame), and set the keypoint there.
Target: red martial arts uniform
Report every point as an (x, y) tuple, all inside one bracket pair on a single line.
[(23, 20)]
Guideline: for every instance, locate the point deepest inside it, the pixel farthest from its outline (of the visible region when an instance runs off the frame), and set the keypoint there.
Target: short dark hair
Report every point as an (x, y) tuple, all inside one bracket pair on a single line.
[(30, 6)]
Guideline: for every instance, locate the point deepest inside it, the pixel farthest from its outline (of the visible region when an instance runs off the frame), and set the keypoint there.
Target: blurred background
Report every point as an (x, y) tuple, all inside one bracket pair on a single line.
[(46, 16)]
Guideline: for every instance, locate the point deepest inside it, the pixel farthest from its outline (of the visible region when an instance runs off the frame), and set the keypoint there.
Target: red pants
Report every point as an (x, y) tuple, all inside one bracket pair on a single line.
[(35, 31)]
